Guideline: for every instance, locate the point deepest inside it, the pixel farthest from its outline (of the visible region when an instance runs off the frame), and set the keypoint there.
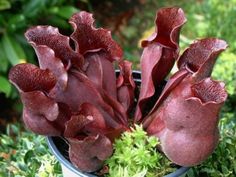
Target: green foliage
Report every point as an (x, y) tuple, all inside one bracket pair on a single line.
[(13, 51), (225, 70), (4, 4), (16, 17), (222, 24), (25, 154), (5, 86), (135, 155)]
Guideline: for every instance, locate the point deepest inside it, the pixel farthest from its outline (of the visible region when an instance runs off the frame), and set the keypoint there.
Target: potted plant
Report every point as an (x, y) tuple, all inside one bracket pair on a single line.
[(74, 93)]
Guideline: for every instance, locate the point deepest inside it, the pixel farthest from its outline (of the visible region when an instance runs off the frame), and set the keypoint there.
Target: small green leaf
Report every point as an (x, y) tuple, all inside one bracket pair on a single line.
[(29, 154), (64, 12), (5, 4), (14, 52), (3, 59), (57, 21), (16, 21), (32, 8), (5, 86)]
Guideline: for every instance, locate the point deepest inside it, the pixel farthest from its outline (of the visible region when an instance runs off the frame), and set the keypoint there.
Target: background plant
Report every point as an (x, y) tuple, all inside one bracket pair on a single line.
[(25, 154)]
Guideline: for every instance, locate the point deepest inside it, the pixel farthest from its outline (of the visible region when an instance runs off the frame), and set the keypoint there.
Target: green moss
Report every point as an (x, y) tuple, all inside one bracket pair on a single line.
[(135, 155)]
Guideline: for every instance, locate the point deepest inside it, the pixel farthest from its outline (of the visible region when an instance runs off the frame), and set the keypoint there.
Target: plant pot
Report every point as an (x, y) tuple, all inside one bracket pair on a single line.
[(59, 147)]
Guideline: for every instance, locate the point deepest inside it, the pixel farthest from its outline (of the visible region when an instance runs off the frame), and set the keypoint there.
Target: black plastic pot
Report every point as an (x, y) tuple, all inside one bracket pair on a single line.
[(59, 148)]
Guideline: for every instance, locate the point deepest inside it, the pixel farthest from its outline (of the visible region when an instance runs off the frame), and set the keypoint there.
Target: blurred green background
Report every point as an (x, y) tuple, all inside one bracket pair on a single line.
[(25, 154)]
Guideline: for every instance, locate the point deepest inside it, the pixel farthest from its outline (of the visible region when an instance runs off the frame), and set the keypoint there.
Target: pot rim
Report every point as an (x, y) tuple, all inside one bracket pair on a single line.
[(75, 170)]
